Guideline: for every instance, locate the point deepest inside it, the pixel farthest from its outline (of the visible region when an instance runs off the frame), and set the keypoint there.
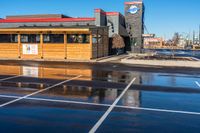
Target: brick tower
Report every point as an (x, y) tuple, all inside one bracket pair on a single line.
[(134, 16)]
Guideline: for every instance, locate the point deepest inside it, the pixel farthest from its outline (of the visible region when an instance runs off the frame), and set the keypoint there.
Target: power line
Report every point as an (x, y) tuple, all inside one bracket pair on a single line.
[(146, 29)]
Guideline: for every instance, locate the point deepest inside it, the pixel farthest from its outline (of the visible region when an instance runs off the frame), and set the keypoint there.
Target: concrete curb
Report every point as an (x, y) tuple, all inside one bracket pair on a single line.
[(163, 63), (47, 60)]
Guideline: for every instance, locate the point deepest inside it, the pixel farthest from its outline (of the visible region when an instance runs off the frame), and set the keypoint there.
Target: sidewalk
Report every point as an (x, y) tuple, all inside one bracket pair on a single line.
[(113, 58)]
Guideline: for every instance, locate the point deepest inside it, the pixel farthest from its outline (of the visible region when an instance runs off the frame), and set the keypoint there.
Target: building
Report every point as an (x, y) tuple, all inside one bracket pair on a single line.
[(52, 37), (56, 36), (183, 42), (54, 43), (196, 47), (134, 15), (152, 42)]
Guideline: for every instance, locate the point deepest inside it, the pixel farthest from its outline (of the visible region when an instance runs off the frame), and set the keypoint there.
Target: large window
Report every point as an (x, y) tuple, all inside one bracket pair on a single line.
[(53, 38), (8, 38), (78, 38), (97, 39), (94, 39), (30, 38)]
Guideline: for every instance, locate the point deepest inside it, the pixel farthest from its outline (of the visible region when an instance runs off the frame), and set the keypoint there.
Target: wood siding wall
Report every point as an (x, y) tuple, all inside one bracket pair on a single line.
[(49, 51), (53, 51), (9, 50)]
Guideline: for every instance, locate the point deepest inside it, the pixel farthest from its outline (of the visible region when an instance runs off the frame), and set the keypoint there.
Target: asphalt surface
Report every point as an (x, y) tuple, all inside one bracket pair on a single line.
[(75, 97)]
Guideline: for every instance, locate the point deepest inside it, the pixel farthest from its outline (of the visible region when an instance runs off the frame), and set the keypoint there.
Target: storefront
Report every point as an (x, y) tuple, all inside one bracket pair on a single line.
[(61, 37), (81, 43)]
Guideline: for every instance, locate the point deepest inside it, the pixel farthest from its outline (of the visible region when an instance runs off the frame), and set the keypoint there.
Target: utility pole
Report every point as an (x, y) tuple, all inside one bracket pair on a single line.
[(193, 38), (189, 38), (199, 35)]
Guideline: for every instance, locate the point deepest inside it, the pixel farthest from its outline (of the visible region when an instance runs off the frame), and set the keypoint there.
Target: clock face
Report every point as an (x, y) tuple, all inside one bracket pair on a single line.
[(133, 9)]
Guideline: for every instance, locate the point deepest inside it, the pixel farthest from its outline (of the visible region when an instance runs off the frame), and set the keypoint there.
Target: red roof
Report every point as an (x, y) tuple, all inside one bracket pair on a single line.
[(108, 13), (112, 13), (134, 2), (99, 10), (29, 20)]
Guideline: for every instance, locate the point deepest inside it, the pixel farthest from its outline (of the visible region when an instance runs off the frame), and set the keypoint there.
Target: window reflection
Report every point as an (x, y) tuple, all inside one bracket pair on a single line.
[(8, 38), (53, 38), (78, 38), (30, 38), (94, 39)]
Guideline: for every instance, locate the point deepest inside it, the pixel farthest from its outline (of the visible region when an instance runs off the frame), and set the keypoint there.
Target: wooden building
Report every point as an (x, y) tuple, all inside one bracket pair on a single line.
[(54, 43)]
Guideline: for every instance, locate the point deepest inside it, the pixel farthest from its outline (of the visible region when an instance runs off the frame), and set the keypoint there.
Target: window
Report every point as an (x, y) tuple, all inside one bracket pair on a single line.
[(97, 39), (100, 37), (30, 38), (8, 38), (53, 38), (94, 39), (100, 40), (78, 38)]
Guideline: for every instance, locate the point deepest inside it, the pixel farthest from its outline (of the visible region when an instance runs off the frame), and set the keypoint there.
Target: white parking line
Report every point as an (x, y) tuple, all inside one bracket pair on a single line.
[(100, 121), (105, 105), (198, 84), (2, 105), (161, 110), (10, 78), (55, 100)]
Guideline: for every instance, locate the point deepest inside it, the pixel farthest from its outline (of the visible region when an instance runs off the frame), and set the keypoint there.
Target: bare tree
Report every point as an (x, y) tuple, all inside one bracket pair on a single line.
[(176, 38), (175, 41), (117, 42)]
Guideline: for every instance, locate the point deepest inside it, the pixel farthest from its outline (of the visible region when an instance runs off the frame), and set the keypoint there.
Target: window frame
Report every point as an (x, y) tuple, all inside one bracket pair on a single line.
[(52, 39), (31, 38), (13, 38), (85, 37)]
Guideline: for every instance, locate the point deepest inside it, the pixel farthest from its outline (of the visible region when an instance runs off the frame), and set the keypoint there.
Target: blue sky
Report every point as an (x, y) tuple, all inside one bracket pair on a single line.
[(163, 17)]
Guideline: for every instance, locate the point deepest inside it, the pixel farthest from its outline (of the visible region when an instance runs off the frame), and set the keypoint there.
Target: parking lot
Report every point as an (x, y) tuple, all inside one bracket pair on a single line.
[(82, 97)]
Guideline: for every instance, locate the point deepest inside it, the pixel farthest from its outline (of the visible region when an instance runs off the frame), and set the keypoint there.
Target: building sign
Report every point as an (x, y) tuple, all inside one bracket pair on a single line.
[(148, 35), (153, 39), (133, 9), (30, 71), (30, 49)]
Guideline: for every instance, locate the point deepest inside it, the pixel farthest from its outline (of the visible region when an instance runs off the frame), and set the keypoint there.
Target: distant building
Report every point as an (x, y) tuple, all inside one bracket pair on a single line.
[(153, 42), (183, 42)]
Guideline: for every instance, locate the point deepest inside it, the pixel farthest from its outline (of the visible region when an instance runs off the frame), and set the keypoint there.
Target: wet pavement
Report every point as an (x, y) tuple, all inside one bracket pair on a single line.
[(34, 98)]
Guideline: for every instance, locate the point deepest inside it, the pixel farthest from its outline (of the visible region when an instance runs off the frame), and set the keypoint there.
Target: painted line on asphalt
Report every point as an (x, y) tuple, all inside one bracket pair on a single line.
[(10, 78), (197, 83), (105, 105), (100, 121), (160, 110), (18, 99), (55, 100)]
